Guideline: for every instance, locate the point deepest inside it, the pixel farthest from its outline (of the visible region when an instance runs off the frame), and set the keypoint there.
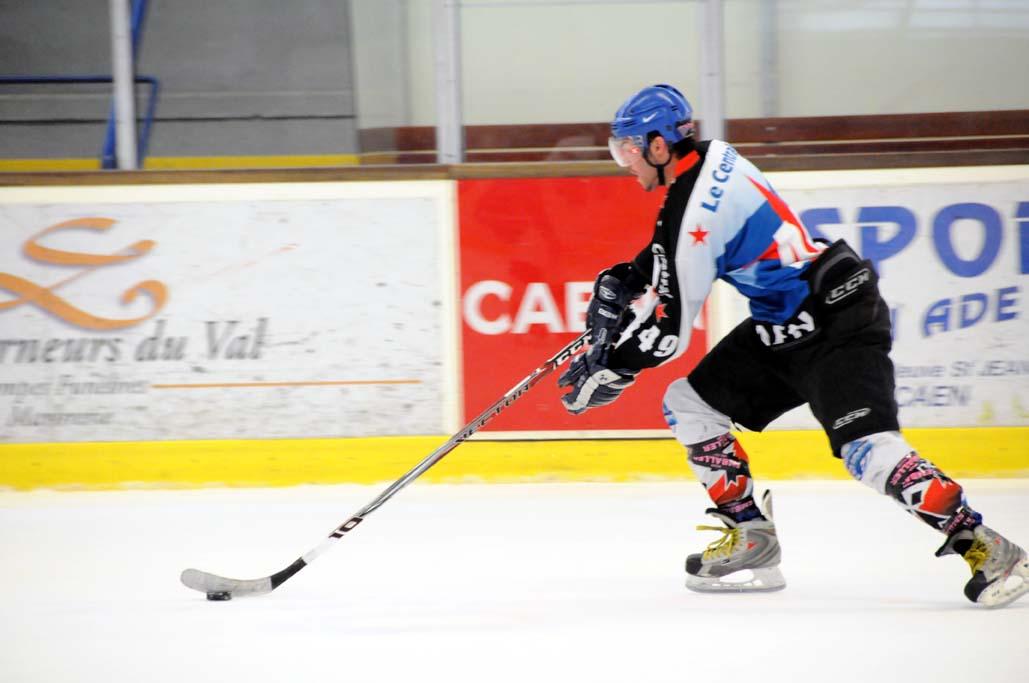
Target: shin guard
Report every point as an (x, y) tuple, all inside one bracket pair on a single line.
[(887, 463), (930, 495), (723, 468)]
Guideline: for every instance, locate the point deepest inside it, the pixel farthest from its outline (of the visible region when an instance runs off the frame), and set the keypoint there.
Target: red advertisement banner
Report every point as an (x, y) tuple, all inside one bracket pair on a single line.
[(530, 250)]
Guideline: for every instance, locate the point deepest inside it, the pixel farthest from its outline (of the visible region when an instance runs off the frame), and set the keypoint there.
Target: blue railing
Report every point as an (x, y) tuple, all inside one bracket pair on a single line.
[(107, 156)]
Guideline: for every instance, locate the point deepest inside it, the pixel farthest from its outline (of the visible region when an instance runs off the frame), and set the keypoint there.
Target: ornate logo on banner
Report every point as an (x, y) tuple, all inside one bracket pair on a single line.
[(29, 293)]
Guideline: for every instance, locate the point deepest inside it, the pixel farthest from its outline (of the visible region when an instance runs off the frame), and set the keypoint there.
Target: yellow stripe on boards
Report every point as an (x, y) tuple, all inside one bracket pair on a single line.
[(961, 453), (245, 162), (40, 165), (187, 163)]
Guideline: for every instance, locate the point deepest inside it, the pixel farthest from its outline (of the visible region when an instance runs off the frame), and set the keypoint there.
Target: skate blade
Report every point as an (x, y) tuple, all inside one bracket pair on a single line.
[(764, 580), (1005, 591)]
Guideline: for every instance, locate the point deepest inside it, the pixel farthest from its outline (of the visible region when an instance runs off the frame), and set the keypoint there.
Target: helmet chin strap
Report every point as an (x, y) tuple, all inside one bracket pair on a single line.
[(659, 167)]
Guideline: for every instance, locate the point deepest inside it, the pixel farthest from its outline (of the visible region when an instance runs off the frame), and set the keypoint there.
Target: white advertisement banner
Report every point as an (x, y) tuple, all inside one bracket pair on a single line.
[(952, 249), (225, 311)]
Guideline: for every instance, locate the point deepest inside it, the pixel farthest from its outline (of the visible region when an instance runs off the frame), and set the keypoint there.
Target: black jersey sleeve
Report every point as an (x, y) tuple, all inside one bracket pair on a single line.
[(644, 262)]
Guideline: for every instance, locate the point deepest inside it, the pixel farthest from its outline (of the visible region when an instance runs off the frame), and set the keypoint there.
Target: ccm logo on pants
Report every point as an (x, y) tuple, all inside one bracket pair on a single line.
[(841, 292), (850, 417)]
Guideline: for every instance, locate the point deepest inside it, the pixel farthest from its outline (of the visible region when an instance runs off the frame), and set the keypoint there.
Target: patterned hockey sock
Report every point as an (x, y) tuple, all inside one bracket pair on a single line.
[(723, 468), (887, 462), (927, 493)]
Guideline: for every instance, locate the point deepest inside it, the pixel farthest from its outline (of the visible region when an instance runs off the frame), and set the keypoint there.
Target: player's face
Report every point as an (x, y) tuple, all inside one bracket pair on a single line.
[(628, 153), (646, 175), (625, 150)]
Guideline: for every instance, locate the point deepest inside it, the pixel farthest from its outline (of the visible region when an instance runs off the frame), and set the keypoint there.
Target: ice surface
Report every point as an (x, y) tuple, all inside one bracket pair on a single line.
[(540, 582)]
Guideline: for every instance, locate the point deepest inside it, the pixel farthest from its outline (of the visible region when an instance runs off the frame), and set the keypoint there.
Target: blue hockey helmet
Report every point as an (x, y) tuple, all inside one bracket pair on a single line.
[(659, 109)]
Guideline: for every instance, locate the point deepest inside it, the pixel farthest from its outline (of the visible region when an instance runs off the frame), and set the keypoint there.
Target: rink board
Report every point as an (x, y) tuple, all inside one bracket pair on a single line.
[(962, 453), (284, 333), (951, 246), (271, 310)]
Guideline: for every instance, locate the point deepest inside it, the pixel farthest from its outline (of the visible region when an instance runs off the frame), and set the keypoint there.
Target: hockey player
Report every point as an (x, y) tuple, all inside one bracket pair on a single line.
[(819, 333)]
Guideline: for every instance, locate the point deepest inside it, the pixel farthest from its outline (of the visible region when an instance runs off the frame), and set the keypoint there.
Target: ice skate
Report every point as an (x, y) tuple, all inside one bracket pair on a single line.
[(744, 560), (1000, 569)]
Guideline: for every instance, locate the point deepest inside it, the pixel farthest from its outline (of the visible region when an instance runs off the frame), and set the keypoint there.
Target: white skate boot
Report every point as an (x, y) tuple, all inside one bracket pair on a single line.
[(744, 560), (1000, 569)]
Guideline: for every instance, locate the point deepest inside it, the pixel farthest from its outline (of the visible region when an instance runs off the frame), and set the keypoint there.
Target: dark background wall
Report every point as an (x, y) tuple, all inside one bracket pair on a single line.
[(238, 77)]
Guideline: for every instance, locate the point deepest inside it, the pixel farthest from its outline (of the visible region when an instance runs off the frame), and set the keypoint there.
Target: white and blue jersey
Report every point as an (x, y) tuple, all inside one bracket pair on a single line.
[(721, 219)]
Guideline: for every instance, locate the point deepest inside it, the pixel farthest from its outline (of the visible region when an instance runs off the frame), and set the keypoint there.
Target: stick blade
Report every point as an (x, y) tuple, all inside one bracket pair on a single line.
[(212, 583)]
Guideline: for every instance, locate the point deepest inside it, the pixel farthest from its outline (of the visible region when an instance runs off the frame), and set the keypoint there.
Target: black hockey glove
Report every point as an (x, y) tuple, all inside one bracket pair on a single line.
[(613, 291), (593, 383)]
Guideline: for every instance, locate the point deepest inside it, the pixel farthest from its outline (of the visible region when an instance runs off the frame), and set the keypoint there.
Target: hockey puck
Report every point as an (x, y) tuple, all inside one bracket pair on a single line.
[(219, 595)]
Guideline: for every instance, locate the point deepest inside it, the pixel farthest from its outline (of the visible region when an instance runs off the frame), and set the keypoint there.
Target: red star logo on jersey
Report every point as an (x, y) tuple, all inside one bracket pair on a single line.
[(659, 312), (699, 234)]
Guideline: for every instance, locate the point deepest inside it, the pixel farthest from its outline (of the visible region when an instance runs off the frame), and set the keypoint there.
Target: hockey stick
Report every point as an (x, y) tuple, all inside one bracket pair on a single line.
[(222, 588)]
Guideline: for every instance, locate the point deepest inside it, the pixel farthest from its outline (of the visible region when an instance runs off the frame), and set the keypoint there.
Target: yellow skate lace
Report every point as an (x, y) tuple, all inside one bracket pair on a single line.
[(722, 546), (977, 555)]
